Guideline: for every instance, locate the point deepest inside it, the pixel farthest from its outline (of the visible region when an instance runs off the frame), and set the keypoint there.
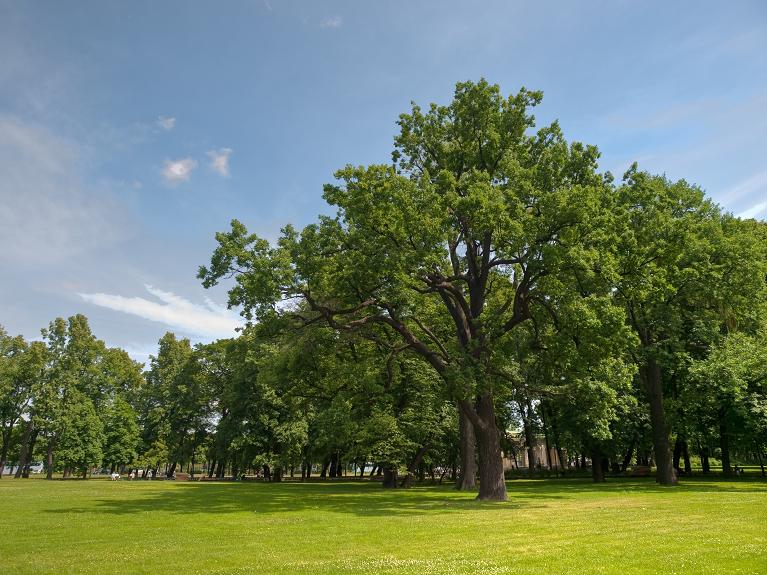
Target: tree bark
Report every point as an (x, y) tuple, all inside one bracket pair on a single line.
[(724, 444), (546, 437), (704, 463), (24, 450), (492, 483), (686, 458), (627, 457), (660, 434), (529, 437), (4, 454), (407, 481), (390, 477), (597, 470), (467, 477), (677, 453), (49, 460)]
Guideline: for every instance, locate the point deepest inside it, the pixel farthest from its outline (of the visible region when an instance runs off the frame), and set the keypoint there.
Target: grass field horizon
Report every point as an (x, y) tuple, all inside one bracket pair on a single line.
[(547, 526)]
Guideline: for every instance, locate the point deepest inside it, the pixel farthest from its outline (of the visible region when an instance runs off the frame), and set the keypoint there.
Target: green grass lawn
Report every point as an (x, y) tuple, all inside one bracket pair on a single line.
[(552, 526)]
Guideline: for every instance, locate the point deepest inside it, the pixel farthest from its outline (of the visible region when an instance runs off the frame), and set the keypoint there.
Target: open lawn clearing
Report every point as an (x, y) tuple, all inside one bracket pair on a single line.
[(553, 526)]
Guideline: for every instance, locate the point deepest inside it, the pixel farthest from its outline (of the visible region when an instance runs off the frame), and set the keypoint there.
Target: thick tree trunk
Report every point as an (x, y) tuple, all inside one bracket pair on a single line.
[(407, 481), (686, 458), (704, 463), (4, 453), (660, 433), (627, 458), (277, 475), (467, 477), (527, 425), (25, 451), (724, 444), (390, 477), (171, 470), (49, 460), (597, 470), (561, 464), (677, 453), (492, 484), (546, 437)]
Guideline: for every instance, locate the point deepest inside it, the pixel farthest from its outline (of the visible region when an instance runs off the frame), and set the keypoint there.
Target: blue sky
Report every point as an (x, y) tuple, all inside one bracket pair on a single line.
[(130, 132)]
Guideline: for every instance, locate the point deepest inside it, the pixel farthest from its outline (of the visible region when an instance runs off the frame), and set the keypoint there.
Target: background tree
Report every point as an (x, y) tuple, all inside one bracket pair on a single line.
[(80, 440), (121, 435), (15, 388)]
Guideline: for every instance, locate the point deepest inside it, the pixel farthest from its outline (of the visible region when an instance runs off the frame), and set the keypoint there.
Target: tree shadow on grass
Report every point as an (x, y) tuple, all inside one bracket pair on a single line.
[(693, 484), (367, 499), (361, 499)]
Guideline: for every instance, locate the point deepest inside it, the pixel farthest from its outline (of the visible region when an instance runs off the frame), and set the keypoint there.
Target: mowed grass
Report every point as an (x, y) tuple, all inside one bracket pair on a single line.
[(553, 526)]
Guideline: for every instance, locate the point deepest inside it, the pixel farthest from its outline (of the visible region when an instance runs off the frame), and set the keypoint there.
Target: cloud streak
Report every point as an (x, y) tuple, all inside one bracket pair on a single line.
[(166, 123), (175, 171), (209, 321), (331, 22), (219, 161), (745, 188), (754, 211)]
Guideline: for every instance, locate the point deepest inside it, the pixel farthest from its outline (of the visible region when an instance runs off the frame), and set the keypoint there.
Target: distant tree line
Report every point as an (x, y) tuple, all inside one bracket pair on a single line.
[(489, 279)]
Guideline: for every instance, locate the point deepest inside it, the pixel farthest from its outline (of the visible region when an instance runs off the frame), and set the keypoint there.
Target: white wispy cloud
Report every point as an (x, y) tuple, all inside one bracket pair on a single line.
[(210, 320), (331, 22), (175, 171), (166, 123), (219, 161), (745, 188), (754, 211)]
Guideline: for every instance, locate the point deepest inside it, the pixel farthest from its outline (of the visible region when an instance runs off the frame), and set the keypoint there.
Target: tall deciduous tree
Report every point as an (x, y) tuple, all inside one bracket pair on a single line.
[(686, 270), (16, 375), (121, 434), (477, 221)]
